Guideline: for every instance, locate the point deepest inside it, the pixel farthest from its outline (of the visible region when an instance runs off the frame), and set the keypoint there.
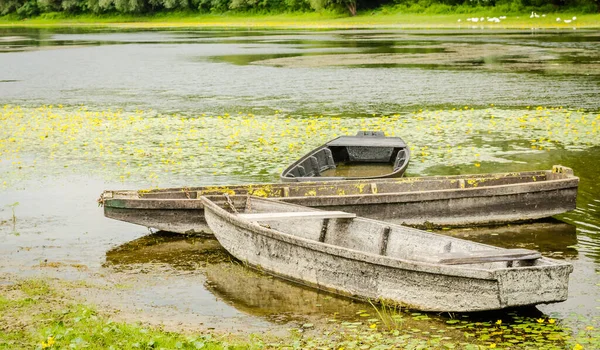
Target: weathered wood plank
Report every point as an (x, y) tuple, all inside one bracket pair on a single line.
[(367, 141), (298, 215), (484, 256)]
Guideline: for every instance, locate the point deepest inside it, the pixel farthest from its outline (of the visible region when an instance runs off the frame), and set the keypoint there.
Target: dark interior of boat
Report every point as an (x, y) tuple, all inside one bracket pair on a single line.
[(330, 157), (376, 237), (388, 155)]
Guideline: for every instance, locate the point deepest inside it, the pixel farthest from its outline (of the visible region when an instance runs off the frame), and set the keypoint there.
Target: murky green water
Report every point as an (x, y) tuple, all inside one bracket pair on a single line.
[(359, 170), (135, 109)]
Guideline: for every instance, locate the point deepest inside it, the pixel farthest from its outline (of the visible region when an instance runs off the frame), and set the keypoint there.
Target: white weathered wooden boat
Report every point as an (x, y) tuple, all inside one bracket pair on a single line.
[(462, 200), (364, 258), (368, 155)]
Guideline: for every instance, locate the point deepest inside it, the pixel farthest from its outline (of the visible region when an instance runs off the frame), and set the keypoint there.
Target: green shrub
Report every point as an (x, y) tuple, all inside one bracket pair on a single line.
[(439, 9), (28, 8)]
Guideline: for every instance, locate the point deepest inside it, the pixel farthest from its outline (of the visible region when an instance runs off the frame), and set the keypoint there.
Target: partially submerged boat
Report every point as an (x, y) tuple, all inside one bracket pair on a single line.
[(364, 258), (462, 200), (368, 155)]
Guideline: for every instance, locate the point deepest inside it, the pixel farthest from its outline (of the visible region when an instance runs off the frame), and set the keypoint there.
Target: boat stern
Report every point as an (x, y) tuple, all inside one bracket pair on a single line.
[(534, 285)]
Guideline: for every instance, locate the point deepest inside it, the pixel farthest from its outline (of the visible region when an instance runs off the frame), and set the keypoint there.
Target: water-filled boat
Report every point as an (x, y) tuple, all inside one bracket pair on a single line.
[(461, 200), (370, 259), (368, 155)]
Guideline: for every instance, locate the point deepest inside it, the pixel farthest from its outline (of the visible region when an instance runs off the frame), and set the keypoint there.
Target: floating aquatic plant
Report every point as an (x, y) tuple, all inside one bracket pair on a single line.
[(153, 148)]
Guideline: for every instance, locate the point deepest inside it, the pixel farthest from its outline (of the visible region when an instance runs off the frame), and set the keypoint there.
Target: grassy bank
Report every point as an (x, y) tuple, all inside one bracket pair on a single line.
[(37, 316), (317, 20), (40, 314)]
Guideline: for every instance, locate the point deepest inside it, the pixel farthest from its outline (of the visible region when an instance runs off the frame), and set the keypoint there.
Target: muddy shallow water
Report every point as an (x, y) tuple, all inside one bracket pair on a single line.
[(197, 107)]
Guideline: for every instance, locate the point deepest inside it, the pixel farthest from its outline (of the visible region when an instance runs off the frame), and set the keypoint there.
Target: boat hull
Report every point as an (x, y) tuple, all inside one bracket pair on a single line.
[(421, 286), (452, 201)]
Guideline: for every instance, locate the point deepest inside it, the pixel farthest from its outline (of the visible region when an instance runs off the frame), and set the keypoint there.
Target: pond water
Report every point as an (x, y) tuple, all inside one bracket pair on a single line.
[(88, 109), (359, 170)]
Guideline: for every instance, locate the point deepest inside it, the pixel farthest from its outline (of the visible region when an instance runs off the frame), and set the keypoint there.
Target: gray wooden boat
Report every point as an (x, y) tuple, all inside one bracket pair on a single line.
[(368, 155), (462, 200), (364, 258)]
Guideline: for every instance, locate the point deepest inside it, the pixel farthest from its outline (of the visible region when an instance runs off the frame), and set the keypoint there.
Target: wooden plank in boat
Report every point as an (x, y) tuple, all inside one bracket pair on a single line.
[(484, 256), (367, 141), (298, 215)]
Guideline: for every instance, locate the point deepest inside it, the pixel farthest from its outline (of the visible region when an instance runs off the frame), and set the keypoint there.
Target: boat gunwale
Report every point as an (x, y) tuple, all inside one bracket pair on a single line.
[(461, 192), (355, 181), (375, 198), (357, 255)]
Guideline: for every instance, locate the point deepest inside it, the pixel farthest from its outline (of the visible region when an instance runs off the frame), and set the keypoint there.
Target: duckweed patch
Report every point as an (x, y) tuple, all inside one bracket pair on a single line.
[(153, 148), (509, 331)]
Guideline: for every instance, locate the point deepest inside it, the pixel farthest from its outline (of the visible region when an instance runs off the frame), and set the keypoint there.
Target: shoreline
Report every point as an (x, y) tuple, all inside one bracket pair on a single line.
[(318, 21)]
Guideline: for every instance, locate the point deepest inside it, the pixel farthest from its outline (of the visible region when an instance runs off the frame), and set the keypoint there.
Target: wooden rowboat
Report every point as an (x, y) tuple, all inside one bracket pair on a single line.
[(368, 155), (364, 258), (462, 200)]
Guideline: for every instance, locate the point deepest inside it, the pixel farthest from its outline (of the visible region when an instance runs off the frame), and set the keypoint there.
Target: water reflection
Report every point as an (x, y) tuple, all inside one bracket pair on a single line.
[(179, 252), (194, 69), (245, 289), (553, 238), (278, 300)]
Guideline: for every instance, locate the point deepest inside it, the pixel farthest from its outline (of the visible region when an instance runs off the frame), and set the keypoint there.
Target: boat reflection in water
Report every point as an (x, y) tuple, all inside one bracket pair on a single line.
[(247, 290), (551, 237), (165, 248)]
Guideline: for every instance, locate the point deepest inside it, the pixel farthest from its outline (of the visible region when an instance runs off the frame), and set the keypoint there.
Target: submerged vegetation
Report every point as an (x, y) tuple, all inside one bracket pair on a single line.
[(149, 147)]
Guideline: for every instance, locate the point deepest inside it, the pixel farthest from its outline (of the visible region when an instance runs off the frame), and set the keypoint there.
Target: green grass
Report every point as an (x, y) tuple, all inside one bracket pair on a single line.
[(37, 316), (381, 19)]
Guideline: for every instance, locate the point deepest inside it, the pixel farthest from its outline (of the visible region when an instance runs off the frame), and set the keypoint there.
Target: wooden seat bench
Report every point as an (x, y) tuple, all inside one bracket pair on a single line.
[(485, 256), (297, 215)]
